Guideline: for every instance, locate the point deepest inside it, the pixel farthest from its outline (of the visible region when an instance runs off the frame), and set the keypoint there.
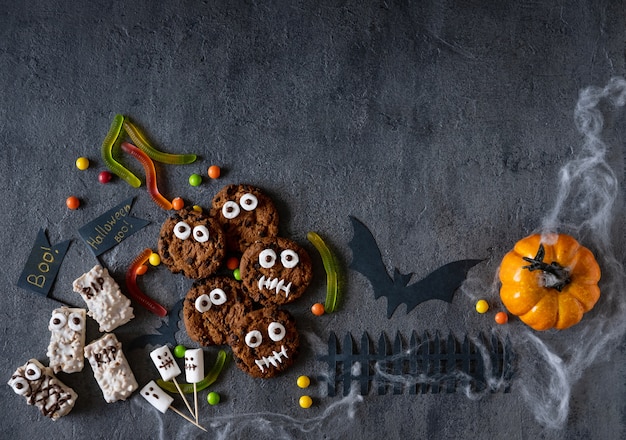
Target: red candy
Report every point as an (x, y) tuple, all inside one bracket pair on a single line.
[(104, 177)]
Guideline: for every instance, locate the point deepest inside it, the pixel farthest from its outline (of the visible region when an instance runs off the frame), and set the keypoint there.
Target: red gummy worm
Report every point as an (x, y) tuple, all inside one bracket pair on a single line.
[(135, 292), (148, 166)]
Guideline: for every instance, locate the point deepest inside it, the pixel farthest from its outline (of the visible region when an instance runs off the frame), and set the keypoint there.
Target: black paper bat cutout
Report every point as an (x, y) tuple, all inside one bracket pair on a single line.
[(441, 284), (167, 330)]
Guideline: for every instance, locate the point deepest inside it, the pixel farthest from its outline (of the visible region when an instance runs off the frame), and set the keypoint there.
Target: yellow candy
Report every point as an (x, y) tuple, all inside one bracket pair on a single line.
[(154, 259), (306, 401), (197, 208), (482, 306), (82, 163), (303, 381)]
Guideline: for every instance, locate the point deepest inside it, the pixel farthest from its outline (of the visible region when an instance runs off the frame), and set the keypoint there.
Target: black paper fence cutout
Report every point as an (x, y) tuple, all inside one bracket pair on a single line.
[(429, 364)]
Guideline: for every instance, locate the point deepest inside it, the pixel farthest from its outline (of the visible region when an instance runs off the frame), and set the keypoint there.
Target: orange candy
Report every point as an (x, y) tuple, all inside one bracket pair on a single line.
[(214, 171), (141, 270), (501, 318), (232, 263), (317, 309), (72, 202), (178, 204)]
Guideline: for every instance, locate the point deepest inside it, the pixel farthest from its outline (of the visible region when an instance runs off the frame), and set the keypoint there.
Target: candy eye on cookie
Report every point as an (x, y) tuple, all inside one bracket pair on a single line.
[(216, 297), (276, 332), (182, 230), (249, 202)]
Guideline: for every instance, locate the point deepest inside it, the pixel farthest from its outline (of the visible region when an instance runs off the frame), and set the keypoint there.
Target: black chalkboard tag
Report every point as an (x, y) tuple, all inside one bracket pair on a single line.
[(111, 228), (42, 265)]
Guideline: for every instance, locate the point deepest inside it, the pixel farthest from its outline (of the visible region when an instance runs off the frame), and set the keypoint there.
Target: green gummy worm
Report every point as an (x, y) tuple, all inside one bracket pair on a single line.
[(142, 143), (112, 143), (331, 266)]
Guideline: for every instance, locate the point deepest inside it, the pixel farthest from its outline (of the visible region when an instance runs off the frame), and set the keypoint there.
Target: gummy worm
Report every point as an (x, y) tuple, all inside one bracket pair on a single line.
[(135, 291), (148, 165), (142, 143), (111, 143), (331, 267), (187, 388)]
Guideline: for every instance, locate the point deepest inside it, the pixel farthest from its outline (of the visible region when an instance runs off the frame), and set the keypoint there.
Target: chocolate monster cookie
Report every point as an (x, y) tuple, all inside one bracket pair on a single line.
[(211, 308), (191, 243), (245, 214), (265, 342), (275, 270)]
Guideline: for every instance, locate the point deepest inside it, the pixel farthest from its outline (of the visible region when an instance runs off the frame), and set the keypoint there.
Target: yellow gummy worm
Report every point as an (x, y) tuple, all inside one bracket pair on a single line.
[(110, 144), (142, 143), (187, 388), (331, 267)]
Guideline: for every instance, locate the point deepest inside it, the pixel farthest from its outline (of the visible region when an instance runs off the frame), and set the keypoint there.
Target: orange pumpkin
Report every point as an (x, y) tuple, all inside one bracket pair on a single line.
[(549, 281)]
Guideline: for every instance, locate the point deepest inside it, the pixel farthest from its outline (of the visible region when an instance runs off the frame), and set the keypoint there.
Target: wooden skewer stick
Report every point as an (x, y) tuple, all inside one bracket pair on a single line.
[(187, 418), (195, 399), (183, 396)]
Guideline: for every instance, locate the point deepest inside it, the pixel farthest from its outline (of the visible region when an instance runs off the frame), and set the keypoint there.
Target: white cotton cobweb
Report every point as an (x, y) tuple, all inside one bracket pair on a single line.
[(585, 207)]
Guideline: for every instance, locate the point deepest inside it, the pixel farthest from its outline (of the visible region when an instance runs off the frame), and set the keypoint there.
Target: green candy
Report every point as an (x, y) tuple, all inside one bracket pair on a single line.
[(213, 398), (179, 351), (195, 180)]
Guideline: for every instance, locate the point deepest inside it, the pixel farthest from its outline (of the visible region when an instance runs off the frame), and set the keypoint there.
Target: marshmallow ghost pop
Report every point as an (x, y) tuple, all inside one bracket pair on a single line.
[(156, 396), (164, 361), (194, 371), (168, 368), (162, 401), (194, 365)]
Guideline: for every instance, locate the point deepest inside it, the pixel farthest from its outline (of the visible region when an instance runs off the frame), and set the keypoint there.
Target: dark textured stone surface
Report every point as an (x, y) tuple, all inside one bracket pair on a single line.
[(441, 125)]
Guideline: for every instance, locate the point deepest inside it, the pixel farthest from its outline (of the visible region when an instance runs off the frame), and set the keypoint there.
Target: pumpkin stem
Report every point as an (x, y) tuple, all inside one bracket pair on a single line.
[(556, 276)]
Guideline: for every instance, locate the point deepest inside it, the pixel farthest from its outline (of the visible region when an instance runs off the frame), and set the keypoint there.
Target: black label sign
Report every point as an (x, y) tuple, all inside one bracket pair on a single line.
[(42, 265), (111, 228)]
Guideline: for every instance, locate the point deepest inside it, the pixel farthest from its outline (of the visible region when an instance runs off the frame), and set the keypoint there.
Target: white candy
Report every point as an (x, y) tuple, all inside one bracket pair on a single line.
[(110, 368), (194, 365), (67, 339), (165, 363), (156, 396), (104, 299)]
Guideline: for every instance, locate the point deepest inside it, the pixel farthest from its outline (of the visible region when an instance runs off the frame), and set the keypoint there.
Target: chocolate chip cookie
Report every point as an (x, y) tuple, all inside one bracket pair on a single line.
[(275, 270), (245, 214), (192, 243), (211, 308), (265, 342)]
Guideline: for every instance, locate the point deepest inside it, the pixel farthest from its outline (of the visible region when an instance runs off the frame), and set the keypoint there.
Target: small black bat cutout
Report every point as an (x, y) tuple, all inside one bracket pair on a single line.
[(166, 333), (440, 284)]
